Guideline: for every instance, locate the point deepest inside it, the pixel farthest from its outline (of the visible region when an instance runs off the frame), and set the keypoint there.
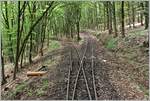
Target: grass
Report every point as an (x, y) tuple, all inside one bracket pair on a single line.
[(18, 88), (139, 32), (111, 43), (146, 91), (40, 92), (30, 93), (45, 84), (54, 45), (50, 62)]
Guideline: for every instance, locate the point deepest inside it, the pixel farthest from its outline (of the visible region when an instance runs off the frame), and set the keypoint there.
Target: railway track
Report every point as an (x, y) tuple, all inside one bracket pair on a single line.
[(81, 78)]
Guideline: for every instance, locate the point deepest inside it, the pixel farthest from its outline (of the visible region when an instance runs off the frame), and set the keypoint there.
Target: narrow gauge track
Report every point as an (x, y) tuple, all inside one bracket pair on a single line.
[(81, 86)]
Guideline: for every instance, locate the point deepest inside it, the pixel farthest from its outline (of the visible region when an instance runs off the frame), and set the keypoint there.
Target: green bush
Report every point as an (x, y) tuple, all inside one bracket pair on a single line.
[(54, 45), (111, 43)]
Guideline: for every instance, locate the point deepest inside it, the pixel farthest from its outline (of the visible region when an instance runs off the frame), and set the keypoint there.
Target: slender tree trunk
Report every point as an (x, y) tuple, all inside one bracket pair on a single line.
[(22, 55), (122, 18), (133, 14), (114, 20), (141, 14), (18, 43), (48, 40), (104, 19), (21, 62), (107, 12), (110, 17), (18, 53), (2, 64), (43, 34), (78, 30), (11, 56), (129, 15), (71, 31), (146, 14), (32, 12), (3, 72), (138, 19), (78, 22), (30, 52)]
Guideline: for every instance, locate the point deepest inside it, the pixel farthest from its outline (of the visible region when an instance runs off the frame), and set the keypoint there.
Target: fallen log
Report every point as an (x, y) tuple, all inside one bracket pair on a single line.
[(37, 73)]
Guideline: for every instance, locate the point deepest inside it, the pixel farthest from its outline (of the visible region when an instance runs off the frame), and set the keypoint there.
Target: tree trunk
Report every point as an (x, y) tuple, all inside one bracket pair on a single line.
[(114, 19), (32, 17), (146, 14), (2, 64), (122, 18), (138, 19), (141, 14), (71, 31), (18, 43), (107, 12), (43, 34), (129, 15), (30, 52), (3, 72), (18, 52), (104, 19), (78, 30), (11, 54), (133, 14), (22, 56), (78, 22), (110, 17)]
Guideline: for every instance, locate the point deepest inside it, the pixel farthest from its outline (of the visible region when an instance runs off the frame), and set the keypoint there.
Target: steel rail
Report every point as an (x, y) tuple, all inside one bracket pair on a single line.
[(76, 80), (93, 77), (68, 83)]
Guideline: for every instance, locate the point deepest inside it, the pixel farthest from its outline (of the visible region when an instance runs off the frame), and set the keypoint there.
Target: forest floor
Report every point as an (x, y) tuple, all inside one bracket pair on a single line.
[(121, 69)]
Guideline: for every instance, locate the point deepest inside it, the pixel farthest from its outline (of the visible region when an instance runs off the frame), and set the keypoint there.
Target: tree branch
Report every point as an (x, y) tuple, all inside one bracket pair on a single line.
[(32, 27)]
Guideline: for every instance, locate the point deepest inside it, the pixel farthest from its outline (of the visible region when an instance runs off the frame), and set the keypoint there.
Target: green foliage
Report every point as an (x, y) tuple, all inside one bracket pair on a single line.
[(54, 45), (45, 84), (30, 93), (143, 88), (62, 19), (111, 43), (20, 87), (40, 92), (137, 32)]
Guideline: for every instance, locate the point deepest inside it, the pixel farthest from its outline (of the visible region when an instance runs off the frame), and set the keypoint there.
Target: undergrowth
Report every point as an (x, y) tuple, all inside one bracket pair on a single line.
[(111, 43), (18, 89), (54, 45)]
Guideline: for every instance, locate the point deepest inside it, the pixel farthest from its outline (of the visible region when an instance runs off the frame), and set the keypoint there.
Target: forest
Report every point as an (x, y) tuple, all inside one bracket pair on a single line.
[(74, 50)]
